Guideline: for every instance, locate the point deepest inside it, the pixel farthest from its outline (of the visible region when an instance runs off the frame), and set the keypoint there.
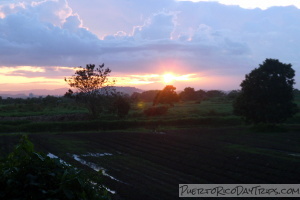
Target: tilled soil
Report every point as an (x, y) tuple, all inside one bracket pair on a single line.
[(151, 165)]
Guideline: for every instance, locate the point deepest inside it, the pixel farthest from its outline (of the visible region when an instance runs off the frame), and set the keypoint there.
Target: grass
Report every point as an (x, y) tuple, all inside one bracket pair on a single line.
[(214, 108), (25, 111), (95, 125), (192, 109), (215, 113)]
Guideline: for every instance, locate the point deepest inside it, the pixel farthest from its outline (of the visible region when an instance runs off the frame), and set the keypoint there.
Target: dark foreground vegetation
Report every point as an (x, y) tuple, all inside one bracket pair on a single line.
[(26, 174)]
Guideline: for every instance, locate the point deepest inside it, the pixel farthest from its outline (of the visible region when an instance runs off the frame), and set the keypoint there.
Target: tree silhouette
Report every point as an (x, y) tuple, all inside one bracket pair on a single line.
[(121, 104), (92, 87), (166, 96), (267, 94), (214, 94), (188, 94)]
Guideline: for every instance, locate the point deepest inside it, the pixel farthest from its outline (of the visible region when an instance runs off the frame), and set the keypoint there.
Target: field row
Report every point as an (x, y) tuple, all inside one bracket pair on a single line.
[(153, 164)]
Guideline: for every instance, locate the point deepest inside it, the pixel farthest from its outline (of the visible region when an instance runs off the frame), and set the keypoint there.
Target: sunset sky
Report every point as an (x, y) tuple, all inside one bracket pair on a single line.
[(205, 44)]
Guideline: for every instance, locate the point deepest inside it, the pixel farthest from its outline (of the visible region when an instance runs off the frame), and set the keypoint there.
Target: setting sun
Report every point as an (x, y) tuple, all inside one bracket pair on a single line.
[(168, 78)]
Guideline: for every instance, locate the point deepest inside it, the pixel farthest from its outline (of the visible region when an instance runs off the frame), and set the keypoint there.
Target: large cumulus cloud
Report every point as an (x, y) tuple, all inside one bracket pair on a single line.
[(133, 36), (31, 36)]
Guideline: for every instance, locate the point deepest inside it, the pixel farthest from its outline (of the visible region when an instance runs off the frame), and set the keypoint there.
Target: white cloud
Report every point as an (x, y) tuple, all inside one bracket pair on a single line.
[(30, 38), (159, 26), (108, 17)]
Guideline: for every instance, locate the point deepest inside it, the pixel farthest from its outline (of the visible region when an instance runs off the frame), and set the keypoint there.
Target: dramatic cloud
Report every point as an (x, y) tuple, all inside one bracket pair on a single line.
[(27, 38), (146, 37)]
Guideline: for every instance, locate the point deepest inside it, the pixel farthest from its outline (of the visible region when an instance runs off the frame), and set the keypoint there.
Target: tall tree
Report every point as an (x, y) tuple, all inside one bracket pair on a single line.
[(166, 96), (266, 94), (92, 85)]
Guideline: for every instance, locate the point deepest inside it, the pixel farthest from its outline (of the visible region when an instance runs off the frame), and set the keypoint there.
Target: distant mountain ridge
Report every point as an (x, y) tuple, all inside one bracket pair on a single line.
[(56, 92)]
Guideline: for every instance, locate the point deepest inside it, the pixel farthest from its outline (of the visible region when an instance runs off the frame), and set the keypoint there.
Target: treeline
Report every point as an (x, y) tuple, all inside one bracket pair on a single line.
[(188, 94), (48, 100), (159, 102), (114, 104), (118, 104)]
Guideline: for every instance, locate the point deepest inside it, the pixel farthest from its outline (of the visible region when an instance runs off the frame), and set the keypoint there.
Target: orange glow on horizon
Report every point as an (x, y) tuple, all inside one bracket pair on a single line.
[(170, 78), (18, 83), (29, 77), (145, 79), (8, 70)]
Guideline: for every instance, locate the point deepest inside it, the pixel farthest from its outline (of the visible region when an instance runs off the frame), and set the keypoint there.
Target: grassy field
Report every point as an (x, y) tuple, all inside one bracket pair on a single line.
[(210, 107), (212, 113)]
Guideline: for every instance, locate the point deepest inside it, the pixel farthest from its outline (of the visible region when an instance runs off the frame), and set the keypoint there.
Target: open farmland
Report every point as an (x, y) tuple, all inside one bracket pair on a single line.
[(148, 157), (146, 165)]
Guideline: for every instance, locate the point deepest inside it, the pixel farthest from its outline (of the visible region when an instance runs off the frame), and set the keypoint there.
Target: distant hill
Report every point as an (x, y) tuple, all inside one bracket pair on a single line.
[(33, 93), (128, 90), (55, 92)]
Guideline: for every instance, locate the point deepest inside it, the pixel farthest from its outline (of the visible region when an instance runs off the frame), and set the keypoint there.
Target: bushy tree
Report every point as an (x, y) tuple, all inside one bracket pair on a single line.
[(188, 94), (296, 94), (166, 96), (201, 95), (233, 94), (92, 87), (215, 94), (156, 111), (135, 97), (146, 96), (121, 105), (266, 94)]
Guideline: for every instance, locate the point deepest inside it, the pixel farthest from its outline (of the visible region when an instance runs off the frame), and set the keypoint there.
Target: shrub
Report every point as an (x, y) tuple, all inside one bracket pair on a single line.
[(122, 106), (26, 174), (156, 111)]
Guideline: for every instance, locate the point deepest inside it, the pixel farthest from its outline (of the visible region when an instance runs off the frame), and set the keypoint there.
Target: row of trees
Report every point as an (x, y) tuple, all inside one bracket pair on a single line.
[(266, 94), (188, 94), (47, 100)]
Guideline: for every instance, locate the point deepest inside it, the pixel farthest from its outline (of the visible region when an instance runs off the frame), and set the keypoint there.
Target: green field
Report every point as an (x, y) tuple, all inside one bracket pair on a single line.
[(64, 117)]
